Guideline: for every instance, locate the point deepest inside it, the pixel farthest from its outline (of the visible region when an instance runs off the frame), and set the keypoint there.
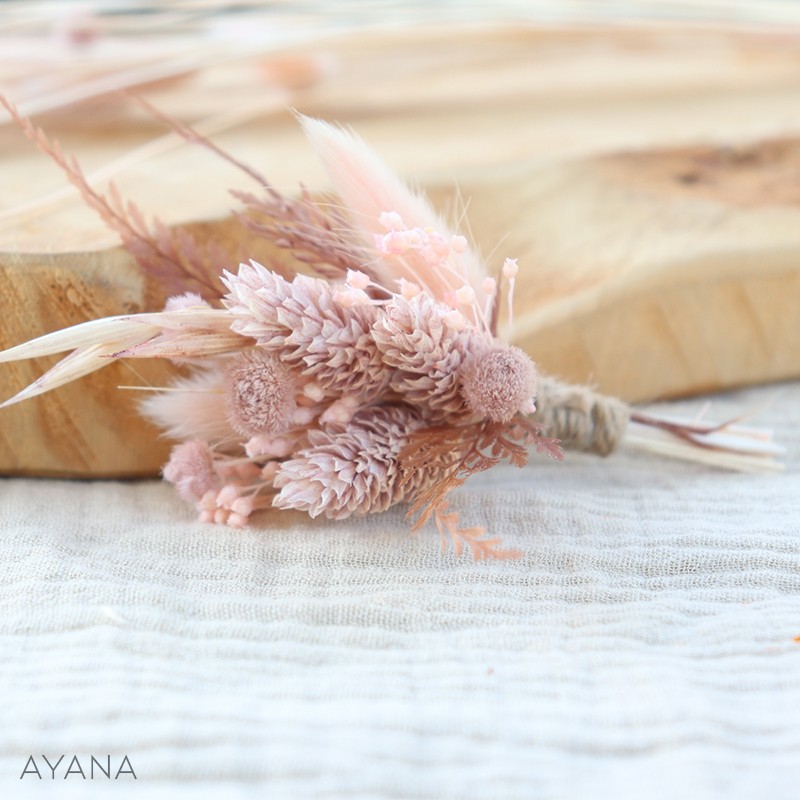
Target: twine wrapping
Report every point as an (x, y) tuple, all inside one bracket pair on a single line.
[(581, 418)]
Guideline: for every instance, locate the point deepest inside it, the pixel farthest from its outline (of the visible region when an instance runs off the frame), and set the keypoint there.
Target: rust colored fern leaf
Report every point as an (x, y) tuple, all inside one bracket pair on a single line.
[(172, 256), (481, 548), (316, 232), (460, 451)]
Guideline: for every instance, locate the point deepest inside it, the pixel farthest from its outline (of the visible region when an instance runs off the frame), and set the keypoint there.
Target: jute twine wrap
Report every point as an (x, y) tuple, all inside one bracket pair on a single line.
[(579, 417)]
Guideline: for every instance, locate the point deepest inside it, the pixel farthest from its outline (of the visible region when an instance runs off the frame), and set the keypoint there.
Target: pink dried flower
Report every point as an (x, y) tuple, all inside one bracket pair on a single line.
[(303, 323), (498, 381), (259, 393), (416, 338), (191, 470), (352, 468)]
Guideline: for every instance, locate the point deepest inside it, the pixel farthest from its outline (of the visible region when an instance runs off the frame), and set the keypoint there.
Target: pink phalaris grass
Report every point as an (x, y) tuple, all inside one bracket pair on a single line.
[(419, 341), (349, 468), (304, 322)]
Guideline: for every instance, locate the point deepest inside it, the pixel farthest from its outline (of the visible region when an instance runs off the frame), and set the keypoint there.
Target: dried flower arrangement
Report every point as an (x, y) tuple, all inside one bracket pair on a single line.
[(377, 379)]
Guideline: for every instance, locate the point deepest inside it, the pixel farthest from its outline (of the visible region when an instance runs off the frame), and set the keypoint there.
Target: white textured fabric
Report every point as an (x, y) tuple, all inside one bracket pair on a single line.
[(643, 648)]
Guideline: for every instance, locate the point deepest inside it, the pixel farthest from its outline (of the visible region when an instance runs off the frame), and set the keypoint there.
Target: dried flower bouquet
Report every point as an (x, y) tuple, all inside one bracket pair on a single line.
[(378, 379)]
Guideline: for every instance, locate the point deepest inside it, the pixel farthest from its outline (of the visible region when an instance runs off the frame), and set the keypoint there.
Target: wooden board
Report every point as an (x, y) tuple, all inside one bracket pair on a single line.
[(630, 172)]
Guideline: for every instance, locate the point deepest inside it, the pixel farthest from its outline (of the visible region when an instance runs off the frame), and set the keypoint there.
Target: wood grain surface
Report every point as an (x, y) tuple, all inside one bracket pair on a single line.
[(645, 179)]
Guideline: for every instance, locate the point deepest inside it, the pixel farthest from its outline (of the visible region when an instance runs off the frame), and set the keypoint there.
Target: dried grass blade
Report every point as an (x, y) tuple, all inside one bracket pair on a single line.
[(188, 345), (77, 364), (84, 334)]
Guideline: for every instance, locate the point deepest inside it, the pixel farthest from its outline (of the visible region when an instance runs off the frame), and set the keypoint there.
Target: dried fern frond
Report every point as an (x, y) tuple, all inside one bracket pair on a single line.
[(316, 232), (481, 548), (171, 256), (464, 450)]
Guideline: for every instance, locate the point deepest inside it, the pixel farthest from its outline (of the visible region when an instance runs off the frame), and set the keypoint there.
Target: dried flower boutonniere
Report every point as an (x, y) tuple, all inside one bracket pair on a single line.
[(378, 378)]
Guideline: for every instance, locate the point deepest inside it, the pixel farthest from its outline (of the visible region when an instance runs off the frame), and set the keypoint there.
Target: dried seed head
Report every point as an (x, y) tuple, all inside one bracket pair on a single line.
[(191, 470), (259, 393), (498, 381)]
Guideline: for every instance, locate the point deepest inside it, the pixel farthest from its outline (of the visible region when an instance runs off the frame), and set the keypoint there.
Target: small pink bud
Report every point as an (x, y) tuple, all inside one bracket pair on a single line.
[(313, 391), (439, 244), (489, 286), (303, 415), (510, 268), (269, 447), (208, 501), (459, 244), (455, 321), (227, 494), (206, 516), (391, 220), (221, 516), (357, 279), (394, 243), (341, 411), (415, 238), (236, 520), (408, 289), (243, 505), (466, 295), (257, 446)]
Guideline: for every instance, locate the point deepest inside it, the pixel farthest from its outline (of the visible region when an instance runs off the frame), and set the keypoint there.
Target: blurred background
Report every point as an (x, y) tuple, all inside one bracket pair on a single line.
[(640, 159)]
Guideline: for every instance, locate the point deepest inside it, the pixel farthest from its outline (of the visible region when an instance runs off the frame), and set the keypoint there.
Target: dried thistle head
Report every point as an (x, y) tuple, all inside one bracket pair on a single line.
[(498, 381), (259, 393)]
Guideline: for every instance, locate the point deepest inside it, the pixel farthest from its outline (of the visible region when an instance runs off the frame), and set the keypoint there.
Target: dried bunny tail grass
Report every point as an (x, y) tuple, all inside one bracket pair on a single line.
[(172, 256), (193, 408), (368, 189)]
